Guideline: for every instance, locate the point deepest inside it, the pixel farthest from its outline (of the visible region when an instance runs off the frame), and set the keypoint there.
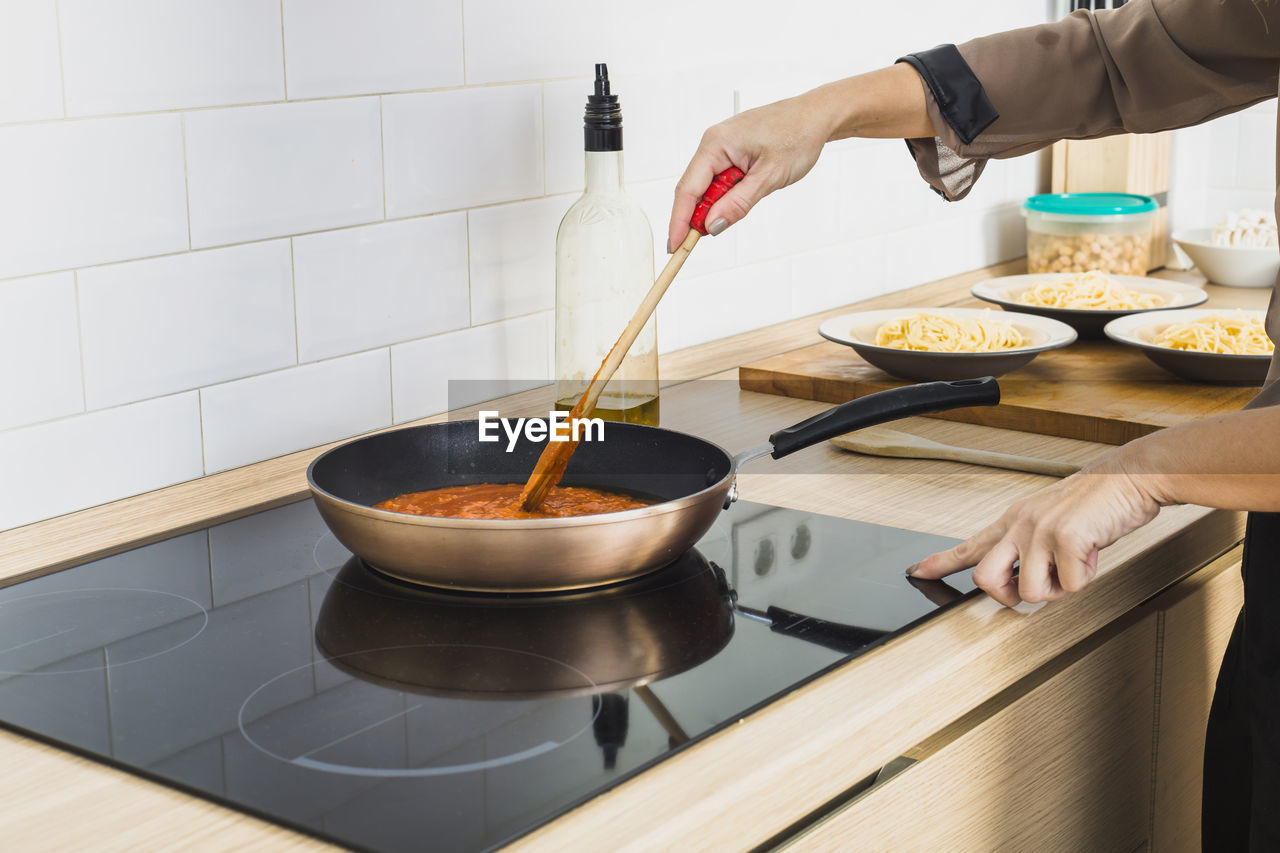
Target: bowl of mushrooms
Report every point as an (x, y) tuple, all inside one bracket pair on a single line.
[(1241, 251)]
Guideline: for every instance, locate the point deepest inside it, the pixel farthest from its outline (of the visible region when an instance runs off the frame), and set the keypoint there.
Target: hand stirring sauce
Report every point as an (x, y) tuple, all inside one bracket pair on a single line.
[(500, 500)]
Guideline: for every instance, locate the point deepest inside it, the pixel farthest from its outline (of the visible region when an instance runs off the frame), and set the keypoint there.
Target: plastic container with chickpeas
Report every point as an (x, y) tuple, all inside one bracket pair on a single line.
[(1078, 232)]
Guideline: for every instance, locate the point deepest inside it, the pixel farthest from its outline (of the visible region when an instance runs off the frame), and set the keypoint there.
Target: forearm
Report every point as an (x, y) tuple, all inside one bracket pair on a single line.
[(888, 103), (1229, 462)]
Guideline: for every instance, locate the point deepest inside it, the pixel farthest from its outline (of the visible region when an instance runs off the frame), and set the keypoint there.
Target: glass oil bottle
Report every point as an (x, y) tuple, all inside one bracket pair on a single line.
[(604, 268)]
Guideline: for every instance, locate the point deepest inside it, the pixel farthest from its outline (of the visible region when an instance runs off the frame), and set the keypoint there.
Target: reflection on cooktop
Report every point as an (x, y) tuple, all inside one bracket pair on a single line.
[(43, 633), (373, 627), (260, 665)]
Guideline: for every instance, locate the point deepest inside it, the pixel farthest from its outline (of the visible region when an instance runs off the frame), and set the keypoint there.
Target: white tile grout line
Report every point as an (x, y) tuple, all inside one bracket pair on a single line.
[(204, 462), (431, 90), (284, 64), (186, 180), (466, 210), (332, 230), (382, 156), (391, 386), (84, 387), (462, 27), (542, 116), (471, 319), (62, 73), (293, 288), (200, 389)]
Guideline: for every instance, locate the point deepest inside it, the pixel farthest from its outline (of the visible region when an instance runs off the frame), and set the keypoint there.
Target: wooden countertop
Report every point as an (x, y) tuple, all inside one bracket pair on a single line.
[(795, 754)]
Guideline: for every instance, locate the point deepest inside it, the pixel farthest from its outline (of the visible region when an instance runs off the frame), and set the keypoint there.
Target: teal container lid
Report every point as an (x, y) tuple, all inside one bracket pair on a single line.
[(1090, 204)]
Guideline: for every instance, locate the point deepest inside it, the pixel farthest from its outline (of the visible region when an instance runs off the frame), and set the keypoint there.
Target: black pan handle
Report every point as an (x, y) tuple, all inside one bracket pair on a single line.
[(884, 406), (845, 639)]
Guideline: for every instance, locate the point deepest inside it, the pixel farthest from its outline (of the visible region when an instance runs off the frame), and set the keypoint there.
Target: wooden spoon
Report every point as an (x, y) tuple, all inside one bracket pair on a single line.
[(882, 441), (555, 456)]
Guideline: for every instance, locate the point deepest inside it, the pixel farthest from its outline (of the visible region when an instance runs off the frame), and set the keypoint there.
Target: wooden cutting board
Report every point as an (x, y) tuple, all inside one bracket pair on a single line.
[(1091, 390)]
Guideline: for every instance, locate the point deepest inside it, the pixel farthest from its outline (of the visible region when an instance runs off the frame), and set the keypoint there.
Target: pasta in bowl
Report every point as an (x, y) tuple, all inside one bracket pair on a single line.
[(1087, 301), (946, 343), (1219, 345)]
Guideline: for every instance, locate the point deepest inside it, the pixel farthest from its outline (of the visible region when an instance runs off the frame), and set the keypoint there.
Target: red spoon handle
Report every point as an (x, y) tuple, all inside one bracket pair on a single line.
[(721, 185)]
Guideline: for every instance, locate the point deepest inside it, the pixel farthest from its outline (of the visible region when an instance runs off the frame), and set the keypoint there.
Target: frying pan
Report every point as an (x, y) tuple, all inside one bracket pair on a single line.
[(690, 479)]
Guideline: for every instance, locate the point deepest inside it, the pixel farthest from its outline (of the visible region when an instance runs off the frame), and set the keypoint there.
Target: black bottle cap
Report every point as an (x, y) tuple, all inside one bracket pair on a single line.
[(602, 124)]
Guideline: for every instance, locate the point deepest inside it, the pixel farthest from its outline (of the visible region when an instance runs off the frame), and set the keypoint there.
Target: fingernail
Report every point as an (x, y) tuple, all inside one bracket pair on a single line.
[(911, 570), (715, 228)]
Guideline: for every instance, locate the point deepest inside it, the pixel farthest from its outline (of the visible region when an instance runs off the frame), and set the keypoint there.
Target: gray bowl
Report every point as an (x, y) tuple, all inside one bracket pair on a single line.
[(1215, 368), (858, 331), (1088, 322)]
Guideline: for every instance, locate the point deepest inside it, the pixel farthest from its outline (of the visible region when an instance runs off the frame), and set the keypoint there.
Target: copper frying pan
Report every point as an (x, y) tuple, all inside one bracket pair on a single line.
[(692, 480)]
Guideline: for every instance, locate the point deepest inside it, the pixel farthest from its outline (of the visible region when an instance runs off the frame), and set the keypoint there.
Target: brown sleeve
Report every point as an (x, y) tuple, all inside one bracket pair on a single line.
[(1147, 66)]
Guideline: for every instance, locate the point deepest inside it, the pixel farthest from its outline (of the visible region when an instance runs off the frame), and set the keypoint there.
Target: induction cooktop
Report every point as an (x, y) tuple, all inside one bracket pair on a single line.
[(260, 665)]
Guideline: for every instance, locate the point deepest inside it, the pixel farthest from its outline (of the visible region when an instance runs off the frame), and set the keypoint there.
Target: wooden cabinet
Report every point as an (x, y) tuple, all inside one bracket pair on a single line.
[(1196, 618), (1100, 750), (1061, 765)]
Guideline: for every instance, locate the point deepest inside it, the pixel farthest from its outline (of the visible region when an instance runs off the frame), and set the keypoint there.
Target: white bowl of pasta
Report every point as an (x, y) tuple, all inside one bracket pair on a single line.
[(1224, 346), (946, 343), (1087, 301)]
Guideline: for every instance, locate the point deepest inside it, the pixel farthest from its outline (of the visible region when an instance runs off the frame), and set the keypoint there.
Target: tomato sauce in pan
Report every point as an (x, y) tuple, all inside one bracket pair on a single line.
[(494, 500)]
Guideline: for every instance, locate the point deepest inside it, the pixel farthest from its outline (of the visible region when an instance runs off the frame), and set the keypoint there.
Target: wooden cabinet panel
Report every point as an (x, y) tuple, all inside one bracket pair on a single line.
[(1197, 617), (1064, 766)]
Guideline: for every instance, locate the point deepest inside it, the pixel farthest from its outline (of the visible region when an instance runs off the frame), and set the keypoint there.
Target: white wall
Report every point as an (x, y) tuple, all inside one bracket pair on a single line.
[(1224, 165), (230, 229)]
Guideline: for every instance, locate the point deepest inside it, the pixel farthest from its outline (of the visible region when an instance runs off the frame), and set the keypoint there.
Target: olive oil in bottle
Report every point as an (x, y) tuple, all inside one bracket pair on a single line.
[(604, 268)]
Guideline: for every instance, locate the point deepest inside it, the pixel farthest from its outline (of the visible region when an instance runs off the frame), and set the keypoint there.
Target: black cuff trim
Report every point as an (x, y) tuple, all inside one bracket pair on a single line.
[(960, 96)]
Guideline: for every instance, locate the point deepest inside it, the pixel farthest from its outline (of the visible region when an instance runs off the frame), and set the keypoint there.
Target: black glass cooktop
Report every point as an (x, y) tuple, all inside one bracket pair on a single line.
[(258, 664)]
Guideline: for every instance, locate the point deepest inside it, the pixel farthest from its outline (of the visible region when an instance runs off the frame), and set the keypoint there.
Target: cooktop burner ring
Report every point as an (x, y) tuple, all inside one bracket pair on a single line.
[(197, 609), (327, 539), (304, 760)]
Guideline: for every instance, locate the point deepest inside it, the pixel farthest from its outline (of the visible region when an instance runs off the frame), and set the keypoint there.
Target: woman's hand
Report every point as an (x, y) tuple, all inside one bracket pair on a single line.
[(1054, 535), (775, 145)]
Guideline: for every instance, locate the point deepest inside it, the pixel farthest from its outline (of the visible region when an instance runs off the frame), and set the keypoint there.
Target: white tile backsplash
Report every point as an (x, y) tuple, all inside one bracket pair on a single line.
[(266, 171), (366, 287), (88, 192), (563, 104), (709, 307), (355, 47), (39, 350), (805, 215), (510, 40), (483, 362), (30, 79), (1222, 166), (712, 253), (180, 53), (169, 324), (880, 189), (64, 465), (663, 118), (448, 150), (263, 416), (930, 251), (513, 258), (1256, 157), (837, 275), (319, 212)]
